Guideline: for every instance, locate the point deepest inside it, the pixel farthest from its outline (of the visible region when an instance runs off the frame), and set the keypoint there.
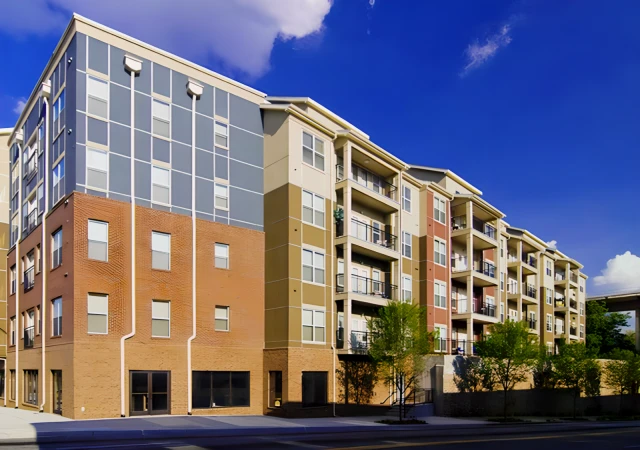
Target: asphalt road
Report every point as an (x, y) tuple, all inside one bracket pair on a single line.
[(522, 438)]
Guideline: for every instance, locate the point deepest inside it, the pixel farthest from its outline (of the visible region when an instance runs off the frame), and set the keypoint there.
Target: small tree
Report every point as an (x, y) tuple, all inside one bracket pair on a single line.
[(622, 374), (603, 334), (510, 351), (358, 380), (543, 373), (472, 375), (576, 369), (400, 341)]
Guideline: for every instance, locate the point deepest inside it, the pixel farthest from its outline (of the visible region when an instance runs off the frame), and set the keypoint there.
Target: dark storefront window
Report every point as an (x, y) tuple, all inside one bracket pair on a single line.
[(275, 389), (314, 388), (216, 389)]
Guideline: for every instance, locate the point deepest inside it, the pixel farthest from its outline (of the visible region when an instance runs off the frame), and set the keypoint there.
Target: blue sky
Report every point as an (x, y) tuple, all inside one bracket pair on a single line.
[(537, 103)]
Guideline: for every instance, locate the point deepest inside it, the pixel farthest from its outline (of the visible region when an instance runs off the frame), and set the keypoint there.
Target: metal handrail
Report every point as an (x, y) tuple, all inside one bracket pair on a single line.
[(29, 279), (529, 290), (486, 309), (484, 228), (487, 269), (369, 233), (459, 222), (533, 324), (28, 337), (367, 286), (30, 167), (383, 188), (573, 304), (530, 260)]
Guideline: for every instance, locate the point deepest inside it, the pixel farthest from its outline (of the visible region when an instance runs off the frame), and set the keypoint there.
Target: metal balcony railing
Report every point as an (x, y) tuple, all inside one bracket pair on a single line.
[(573, 304), (530, 260), (369, 180), (559, 276), (559, 330), (486, 268), (369, 233), (573, 331), (485, 228), (486, 309), (573, 277), (459, 263), (529, 290), (533, 324), (459, 222), (28, 337), (29, 279), (359, 341), (460, 346), (30, 167), (560, 302), (367, 286), (32, 221)]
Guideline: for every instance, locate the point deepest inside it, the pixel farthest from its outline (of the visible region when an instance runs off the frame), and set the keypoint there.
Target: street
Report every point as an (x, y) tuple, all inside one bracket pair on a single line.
[(524, 437)]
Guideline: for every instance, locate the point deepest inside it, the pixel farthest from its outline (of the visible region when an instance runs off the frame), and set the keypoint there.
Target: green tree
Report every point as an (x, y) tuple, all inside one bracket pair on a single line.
[(543, 373), (358, 380), (510, 351), (399, 343), (622, 373), (472, 375), (575, 368), (603, 329)]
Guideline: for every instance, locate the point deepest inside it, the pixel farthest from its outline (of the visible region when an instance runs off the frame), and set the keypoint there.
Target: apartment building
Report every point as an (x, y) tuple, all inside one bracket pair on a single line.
[(4, 246), (136, 279)]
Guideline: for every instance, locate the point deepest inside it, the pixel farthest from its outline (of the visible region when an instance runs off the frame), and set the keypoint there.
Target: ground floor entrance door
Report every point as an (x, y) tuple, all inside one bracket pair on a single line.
[(57, 391), (150, 392)]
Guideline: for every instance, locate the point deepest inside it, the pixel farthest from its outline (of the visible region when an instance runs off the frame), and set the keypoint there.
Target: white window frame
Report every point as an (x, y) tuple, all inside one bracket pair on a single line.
[(549, 323), (407, 250), (441, 331), (167, 319), (226, 319), (56, 244), (407, 289), (97, 241), (160, 234), (549, 296), (56, 310), (157, 117), (314, 259), (96, 97), (316, 208), (440, 215), (92, 311), (549, 269), (406, 199), (582, 330), (13, 279), (437, 245), (57, 174), (440, 294), (218, 195), (57, 108), (221, 130), (315, 154), (97, 169), (156, 182), (502, 281), (581, 311), (13, 331), (218, 255), (315, 313)]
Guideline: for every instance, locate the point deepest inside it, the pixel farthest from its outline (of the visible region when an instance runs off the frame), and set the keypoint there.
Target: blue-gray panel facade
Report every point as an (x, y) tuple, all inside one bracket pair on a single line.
[(245, 114), (180, 190), (204, 132), (120, 104), (161, 80), (204, 105), (118, 73), (81, 52), (97, 131), (204, 164), (246, 206), (246, 147), (246, 177), (222, 103), (120, 139), (98, 56), (143, 180), (161, 150), (180, 96), (142, 146), (142, 112), (180, 157), (180, 125), (204, 196), (119, 174), (222, 167), (142, 82)]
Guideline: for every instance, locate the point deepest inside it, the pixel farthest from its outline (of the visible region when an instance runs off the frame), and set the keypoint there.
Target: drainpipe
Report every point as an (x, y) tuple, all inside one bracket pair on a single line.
[(332, 190), (4, 389), (19, 140), (45, 93), (134, 66), (195, 90)]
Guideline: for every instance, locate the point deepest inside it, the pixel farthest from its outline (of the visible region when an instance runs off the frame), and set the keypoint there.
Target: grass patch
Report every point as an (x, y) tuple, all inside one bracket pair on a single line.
[(402, 422)]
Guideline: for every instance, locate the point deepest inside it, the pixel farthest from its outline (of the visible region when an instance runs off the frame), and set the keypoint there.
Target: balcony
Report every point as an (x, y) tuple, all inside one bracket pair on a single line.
[(30, 167), (559, 331), (367, 287), (371, 234), (484, 273), (485, 309), (573, 331), (573, 278), (484, 235), (359, 341), (529, 290), (573, 304), (28, 337), (559, 278), (29, 279), (484, 228), (31, 221), (370, 189), (533, 324)]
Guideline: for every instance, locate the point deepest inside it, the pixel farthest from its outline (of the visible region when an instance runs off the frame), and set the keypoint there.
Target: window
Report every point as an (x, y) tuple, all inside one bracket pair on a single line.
[(56, 248), (440, 252), (312, 209), (582, 308), (275, 389), (222, 256), (502, 312), (56, 317), (161, 185), (31, 387), (440, 293), (314, 389), (549, 322), (440, 342), (406, 198), (549, 268), (549, 348), (160, 250), (581, 330), (406, 244), (312, 266), (13, 279), (160, 318), (98, 240), (161, 119), (501, 248), (58, 183), (222, 318), (12, 330), (312, 325), (549, 298), (12, 384), (2, 384), (312, 151), (58, 107), (222, 134), (98, 310), (97, 169), (439, 210), (219, 389), (407, 294), (221, 192), (502, 281), (97, 97)]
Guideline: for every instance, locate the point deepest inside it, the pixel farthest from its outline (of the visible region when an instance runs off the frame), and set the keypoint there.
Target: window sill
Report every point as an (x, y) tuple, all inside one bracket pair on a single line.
[(314, 342), (161, 270), (315, 226), (313, 167), (55, 268), (55, 337), (160, 337), (29, 405), (314, 283)]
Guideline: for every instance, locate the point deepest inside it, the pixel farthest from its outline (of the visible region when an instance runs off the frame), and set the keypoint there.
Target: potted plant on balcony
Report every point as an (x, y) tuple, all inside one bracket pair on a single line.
[(338, 215)]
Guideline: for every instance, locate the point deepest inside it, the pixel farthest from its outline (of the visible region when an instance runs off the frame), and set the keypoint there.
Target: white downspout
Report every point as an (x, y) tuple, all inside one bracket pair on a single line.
[(332, 190), (45, 92), (134, 66), (195, 90), (19, 138)]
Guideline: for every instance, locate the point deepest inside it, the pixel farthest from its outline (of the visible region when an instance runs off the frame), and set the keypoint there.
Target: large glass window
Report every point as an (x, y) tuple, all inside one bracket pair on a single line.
[(312, 266), (440, 252), (312, 208), (57, 317), (406, 198), (98, 97), (220, 389), (314, 389), (222, 256), (160, 250), (222, 134), (440, 294), (98, 310), (313, 325), (222, 318), (58, 190), (58, 108), (407, 289), (161, 181), (56, 248), (406, 244), (161, 119), (98, 234), (312, 151), (97, 169), (160, 318), (439, 210), (221, 192), (31, 387)]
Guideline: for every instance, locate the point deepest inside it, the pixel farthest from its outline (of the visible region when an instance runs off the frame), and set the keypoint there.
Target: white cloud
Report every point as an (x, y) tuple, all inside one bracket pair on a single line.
[(240, 34), (477, 54), (20, 104), (552, 245), (622, 274)]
